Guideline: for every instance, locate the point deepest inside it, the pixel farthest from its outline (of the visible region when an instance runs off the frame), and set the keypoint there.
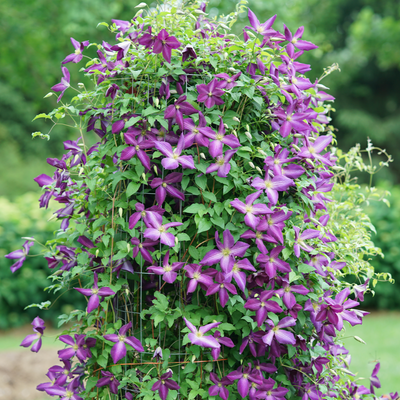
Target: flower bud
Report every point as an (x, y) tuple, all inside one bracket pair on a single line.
[(312, 139), (144, 176), (251, 34), (251, 165), (155, 170), (232, 69), (120, 211), (225, 27), (234, 132), (298, 135), (262, 152), (236, 119), (202, 156), (81, 171), (156, 101), (226, 126), (141, 5), (81, 85), (259, 169), (176, 241), (295, 147), (247, 127), (97, 252), (248, 135), (128, 247)]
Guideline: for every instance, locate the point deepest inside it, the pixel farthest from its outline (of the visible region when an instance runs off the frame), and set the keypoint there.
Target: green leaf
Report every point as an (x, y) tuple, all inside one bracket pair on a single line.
[(132, 188), (218, 221), (248, 91), (305, 268), (209, 196), (102, 361), (194, 208), (204, 225), (201, 181), (183, 237)]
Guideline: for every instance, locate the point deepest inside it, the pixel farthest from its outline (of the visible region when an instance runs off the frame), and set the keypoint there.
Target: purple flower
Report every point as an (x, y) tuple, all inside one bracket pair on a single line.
[(68, 393), (268, 393), (263, 29), (19, 255), (211, 93), (79, 347), (215, 147), (219, 387), (63, 85), (168, 271), (221, 340), (222, 286), (197, 336), (245, 377), (271, 263), (165, 43), (77, 55), (178, 110), (226, 253), (137, 148), (222, 165), (164, 384), (158, 231), (375, 382), (313, 150), (108, 380), (141, 246), (299, 239), (173, 157), (118, 351), (250, 209), (95, 293), (272, 186), (295, 40), (274, 224), (286, 292), (281, 335), (197, 133), (164, 186), (193, 271), (38, 327), (144, 213), (228, 81), (262, 306)]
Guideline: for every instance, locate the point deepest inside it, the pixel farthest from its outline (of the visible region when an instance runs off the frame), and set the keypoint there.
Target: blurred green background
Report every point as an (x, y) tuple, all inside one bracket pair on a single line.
[(362, 36)]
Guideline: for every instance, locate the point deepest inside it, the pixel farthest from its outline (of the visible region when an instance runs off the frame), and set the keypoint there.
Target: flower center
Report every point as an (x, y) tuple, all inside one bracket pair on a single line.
[(245, 376), (219, 384), (137, 147), (276, 161), (271, 260), (75, 347), (163, 382), (294, 80), (288, 118), (229, 80), (268, 184), (95, 291), (262, 304), (258, 235), (199, 334), (249, 209), (69, 394), (235, 269), (221, 286), (220, 161), (143, 213), (226, 252), (311, 150), (77, 51), (269, 393), (196, 275), (259, 29), (275, 328), (140, 245), (161, 229), (167, 268), (219, 136), (164, 184), (175, 156), (210, 94), (287, 289), (121, 338), (195, 131)]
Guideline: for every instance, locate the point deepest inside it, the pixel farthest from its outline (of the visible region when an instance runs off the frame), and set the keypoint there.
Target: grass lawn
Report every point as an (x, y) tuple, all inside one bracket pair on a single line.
[(381, 332)]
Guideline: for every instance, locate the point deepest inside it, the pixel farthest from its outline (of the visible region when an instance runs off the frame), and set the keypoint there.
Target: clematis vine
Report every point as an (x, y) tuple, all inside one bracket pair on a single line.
[(197, 337), (19, 255), (63, 85), (158, 231)]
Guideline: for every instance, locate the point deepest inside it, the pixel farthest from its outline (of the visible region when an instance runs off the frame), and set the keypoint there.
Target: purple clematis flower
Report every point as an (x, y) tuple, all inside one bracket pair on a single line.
[(274, 224), (238, 275), (245, 377), (19, 255), (109, 380), (295, 40), (221, 340), (374, 380), (256, 26), (211, 93), (38, 327), (299, 239), (215, 147), (313, 150), (198, 134), (137, 148), (168, 271), (144, 213), (250, 209), (163, 43), (255, 343), (222, 286), (164, 186), (228, 81), (262, 306), (157, 231), (77, 55), (272, 186), (267, 392), (197, 336), (222, 165), (164, 384), (79, 347), (173, 157), (118, 351), (219, 387), (193, 271), (66, 393), (112, 91), (141, 246), (281, 335), (271, 263), (286, 292), (63, 85), (226, 253), (95, 293), (178, 110)]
